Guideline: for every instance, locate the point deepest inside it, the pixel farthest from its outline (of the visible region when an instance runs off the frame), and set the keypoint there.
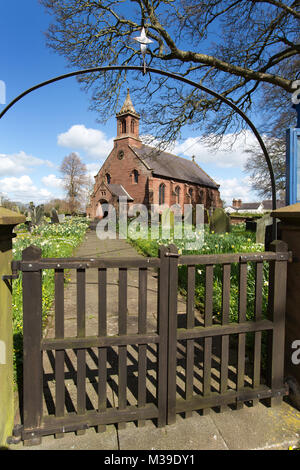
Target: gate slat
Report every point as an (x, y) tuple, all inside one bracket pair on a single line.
[(242, 336), (162, 326), (209, 273), (142, 348), (172, 343), (59, 355), (225, 338), (122, 398), (81, 353), (258, 334), (190, 323), (102, 352)]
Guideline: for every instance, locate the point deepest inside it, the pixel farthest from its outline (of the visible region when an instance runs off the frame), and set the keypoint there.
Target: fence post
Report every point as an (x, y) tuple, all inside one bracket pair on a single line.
[(32, 353), (8, 220), (290, 233), (276, 312)]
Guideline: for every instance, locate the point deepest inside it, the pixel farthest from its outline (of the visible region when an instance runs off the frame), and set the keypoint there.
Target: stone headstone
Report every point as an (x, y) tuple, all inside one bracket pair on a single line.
[(219, 221), (54, 216), (261, 225), (93, 224), (61, 218), (269, 234), (39, 214)]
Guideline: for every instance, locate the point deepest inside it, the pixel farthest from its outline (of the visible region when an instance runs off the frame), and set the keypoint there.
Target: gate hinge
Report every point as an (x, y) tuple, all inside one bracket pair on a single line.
[(9, 277), (15, 272), (17, 435)]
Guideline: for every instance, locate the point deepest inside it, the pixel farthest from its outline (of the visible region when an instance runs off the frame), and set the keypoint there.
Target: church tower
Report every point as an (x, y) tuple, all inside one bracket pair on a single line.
[(128, 123)]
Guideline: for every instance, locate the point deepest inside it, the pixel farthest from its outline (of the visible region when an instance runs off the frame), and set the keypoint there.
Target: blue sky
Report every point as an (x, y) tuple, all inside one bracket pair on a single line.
[(50, 123)]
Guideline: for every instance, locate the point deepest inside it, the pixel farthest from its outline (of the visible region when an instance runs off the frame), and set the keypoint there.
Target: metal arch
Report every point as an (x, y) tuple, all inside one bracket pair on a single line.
[(176, 77)]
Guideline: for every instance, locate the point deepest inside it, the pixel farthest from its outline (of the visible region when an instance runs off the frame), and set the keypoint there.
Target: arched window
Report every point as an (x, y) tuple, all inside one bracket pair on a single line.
[(123, 126), (135, 176), (132, 124), (177, 192), (191, 193), (108, 178), (162, 189)]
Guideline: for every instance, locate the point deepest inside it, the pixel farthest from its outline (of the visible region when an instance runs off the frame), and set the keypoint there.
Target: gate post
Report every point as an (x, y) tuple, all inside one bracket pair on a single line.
[(290, 233), (8, 220), (32, 353), (277, 308)]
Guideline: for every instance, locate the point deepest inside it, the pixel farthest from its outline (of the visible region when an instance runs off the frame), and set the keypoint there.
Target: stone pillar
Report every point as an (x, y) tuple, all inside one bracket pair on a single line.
[(290, 233), (8, 220)]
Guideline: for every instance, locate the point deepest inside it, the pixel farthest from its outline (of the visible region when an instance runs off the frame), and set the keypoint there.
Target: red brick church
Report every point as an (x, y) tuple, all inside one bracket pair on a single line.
[(148, 176)]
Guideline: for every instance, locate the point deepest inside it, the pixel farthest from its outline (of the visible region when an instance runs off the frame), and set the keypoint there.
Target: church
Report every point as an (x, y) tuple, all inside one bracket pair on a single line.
[(145, 175)]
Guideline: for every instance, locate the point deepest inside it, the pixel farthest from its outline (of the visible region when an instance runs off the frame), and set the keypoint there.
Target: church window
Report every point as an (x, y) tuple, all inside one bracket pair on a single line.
[(162, 189), (132, 124), (177, 192), (135, 176)]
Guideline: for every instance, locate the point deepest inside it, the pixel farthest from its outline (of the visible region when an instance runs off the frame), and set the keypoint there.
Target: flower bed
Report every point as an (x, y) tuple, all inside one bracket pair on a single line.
[(237, 241), (55, 241)]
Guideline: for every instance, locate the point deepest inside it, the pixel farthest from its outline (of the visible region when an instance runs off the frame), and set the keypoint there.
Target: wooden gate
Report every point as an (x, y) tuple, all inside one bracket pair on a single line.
[(185, 362)]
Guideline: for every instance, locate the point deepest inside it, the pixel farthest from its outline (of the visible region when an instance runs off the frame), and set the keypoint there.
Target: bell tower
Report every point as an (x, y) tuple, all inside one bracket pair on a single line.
[(128, 122)]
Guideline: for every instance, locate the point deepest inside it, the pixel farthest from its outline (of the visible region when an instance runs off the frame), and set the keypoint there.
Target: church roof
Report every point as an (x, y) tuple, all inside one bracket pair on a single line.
[(119, 190), (170, 166), (127, 106)]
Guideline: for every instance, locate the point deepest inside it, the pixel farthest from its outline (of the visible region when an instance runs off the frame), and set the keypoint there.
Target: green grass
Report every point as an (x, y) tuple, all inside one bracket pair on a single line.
[(55, 241)]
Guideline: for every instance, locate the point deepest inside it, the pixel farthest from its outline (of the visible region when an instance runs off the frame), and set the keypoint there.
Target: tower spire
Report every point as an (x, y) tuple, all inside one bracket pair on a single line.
[(128, 107), (128, 120)]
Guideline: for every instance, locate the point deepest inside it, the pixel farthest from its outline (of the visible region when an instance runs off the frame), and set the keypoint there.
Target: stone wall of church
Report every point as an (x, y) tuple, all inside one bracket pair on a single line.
[(126, 169)]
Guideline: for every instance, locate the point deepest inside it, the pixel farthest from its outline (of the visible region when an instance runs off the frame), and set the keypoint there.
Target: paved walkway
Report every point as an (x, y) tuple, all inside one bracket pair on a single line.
[(256, 427)]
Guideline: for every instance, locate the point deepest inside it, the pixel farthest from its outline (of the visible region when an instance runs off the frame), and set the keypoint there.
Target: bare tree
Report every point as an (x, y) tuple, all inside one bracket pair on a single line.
[(74, 173), (90, 183), (257, 168), (246, 50)]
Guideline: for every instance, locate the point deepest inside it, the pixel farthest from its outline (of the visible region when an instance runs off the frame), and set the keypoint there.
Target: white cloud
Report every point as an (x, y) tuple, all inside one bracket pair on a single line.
[(24, 190), (93, 168), (92, 141), (236, 188), (19, 163), (224, 156), (52, 181)]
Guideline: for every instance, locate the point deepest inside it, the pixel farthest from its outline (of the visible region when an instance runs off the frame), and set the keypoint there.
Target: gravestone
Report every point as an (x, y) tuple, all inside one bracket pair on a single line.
[(39, 214), (219, 221), (93, 224), (54, 216), (261, 225), (36, 215), (61, 218), (269, 234)]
